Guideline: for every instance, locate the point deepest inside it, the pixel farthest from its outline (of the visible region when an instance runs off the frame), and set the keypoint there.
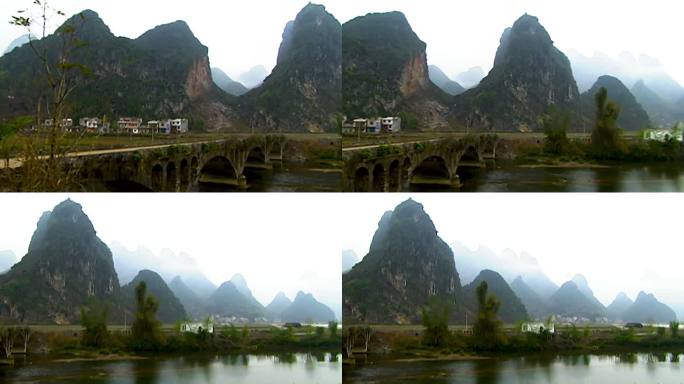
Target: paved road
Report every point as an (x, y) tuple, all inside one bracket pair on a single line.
[(372, 146), (17, 162)]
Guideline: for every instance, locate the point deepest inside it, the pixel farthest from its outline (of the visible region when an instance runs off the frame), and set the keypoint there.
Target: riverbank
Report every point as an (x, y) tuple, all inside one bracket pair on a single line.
[(405, 343)]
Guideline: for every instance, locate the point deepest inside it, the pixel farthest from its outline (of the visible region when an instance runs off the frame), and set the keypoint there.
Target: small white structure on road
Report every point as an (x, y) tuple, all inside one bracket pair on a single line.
[(197, 327), (538, 328)]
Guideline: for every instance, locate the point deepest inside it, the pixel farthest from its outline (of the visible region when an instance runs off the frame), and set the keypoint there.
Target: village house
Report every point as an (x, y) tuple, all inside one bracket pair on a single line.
[(663, 135), (391, 124), (67, 124), (93, 125), (179, 125), (130, 125)]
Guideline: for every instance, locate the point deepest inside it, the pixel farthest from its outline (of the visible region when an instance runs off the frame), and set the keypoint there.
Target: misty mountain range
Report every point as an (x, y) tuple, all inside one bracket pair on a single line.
[(400, 273), (67, 264)]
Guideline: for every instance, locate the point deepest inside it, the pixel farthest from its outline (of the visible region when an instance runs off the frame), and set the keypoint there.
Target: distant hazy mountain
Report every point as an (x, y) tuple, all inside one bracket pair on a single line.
[(535, 305), (443, 81), (509, 264), (647, 309), (583, 285), (241, 284), (471, 77), (276, 307), (569, 300), (190, 300), (627, 68), (512, 309), (170, 308), (632, 117), (306, 309), (661, 112), (226, 83), (227, 300), (168, 264), (7, 260), (349, 259), (619, 306), (254, 77), (19, 41)]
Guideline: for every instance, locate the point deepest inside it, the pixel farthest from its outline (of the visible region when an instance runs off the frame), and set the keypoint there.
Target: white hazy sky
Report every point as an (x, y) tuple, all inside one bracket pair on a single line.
[(620, 242), (459, 34), (287, 242)]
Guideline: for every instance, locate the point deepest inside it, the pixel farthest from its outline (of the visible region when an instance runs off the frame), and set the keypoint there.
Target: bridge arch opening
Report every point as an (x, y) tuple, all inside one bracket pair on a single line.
[(394, 176), (378, 178), (184, 175), (256, 156), (432, 168), (361, 179), (157, 177), (218, 170), (171, 175), (470, 155)]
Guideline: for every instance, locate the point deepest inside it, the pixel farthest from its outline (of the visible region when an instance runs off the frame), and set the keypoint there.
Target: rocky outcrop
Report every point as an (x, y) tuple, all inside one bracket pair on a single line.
[(529, 76), (199, 81), (407, 266), (66, 265), (302, 93), (385, 72)]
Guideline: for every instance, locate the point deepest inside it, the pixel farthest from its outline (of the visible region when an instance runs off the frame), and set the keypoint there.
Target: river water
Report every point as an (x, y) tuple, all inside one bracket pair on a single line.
[(289, 177), (323, 368), (509, 177), (663, 368)]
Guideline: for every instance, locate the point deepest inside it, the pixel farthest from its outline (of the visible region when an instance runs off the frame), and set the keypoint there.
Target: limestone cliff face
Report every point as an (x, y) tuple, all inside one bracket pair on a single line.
[(407, 265), (385, 72), (66, 265), (414, 77), (199, 81), (529, 76), (163, 73), (302, 93)]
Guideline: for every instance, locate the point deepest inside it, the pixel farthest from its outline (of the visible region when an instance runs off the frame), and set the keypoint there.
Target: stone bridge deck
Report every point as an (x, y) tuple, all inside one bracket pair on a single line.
[(391, 168), (181, 167)]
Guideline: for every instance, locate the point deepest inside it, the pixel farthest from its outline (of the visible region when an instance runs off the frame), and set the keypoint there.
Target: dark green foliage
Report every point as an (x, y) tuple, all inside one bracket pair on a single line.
[(487, 328), (556, 124), (170, 308), (511, 309), (632, 116), (674, 329), (94, 320), (606, 138), (435, 318), (409, 121), (332, 328), (145, 332)]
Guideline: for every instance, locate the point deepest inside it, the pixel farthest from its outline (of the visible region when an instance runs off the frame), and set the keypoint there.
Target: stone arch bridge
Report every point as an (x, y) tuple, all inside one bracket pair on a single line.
[(181, 167), (392, 168)]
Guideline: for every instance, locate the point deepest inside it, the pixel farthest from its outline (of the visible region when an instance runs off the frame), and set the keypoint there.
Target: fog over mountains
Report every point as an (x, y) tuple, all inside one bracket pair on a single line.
[(383, 274)]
